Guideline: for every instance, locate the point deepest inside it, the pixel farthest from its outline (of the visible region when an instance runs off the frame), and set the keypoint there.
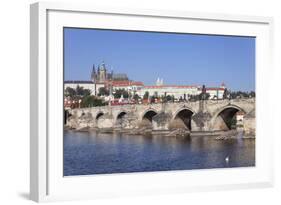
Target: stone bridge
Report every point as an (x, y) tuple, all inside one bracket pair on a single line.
[(195, 116)]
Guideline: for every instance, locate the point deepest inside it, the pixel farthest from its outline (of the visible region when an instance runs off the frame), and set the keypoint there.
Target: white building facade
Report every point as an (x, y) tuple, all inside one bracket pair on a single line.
[(181, 91), (215, 93), (172, 90), (130, 86)]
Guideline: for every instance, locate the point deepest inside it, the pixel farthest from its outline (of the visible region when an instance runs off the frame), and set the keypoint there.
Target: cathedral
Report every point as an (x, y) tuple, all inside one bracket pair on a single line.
[(103, 76)]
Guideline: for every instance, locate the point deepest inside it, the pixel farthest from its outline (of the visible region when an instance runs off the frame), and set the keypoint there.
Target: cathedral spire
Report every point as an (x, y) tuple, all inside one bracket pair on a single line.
[(102, 66), (93, 74), (94, 69)]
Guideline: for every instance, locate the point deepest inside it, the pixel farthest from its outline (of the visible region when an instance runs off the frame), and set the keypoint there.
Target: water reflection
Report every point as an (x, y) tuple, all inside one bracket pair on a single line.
[(96, 153)]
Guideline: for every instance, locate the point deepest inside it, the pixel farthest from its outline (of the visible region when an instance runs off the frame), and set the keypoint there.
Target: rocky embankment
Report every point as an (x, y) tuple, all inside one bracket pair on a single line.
[(235, 134), (146, 130), (182, 133)]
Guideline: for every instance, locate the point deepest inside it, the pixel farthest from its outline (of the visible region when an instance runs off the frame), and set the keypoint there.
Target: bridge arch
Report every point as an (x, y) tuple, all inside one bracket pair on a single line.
[(149, 114), (182, 118), (121, 115), (66, 115), (119, 118), (223, 119), (146, 118), (99, 114)]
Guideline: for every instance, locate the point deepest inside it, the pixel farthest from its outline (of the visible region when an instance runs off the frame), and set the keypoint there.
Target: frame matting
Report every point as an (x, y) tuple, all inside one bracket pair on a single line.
[(46, 44)]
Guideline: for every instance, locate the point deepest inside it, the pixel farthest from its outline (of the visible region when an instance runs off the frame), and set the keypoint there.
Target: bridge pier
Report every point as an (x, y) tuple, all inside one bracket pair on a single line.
[(201, 121), (161, 121), (127, 122), (106, 121)]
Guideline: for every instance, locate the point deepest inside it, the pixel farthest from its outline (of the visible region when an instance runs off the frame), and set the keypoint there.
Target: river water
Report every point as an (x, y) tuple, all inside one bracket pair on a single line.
[(87, 153)]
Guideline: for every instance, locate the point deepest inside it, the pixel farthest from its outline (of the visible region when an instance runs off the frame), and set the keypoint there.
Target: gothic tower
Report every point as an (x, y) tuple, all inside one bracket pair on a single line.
[(102, 73), (94, 74)]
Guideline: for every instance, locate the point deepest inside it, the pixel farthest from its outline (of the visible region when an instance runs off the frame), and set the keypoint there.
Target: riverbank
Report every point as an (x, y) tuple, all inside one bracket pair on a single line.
[(178, 133), (140, 131), (235, 134)]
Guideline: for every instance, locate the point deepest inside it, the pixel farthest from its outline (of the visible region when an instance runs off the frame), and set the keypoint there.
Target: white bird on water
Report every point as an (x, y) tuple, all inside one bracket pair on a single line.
[(227, 159)]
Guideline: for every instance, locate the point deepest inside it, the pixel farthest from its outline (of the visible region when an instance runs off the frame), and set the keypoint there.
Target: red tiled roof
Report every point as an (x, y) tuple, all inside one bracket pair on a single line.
[(170, 86), (214, 88), (137, 83), (126, 83)]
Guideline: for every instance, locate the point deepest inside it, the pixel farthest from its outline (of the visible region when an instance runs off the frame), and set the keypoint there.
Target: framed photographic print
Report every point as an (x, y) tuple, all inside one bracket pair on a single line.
[(128, 101)]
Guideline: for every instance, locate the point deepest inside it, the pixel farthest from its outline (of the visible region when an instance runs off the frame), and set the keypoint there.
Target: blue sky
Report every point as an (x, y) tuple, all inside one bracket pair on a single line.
[(183, 59)]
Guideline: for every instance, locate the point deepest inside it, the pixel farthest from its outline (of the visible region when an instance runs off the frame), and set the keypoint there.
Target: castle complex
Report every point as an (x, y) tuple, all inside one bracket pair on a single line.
[(103, 78)]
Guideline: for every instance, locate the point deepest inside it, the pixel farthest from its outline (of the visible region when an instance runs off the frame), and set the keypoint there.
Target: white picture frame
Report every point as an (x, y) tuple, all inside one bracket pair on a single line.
[(46, 179)]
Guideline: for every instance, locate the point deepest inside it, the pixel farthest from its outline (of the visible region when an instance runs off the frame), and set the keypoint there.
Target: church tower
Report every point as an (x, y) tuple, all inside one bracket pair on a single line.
[(159, 82), (94, 74), (102, 73)]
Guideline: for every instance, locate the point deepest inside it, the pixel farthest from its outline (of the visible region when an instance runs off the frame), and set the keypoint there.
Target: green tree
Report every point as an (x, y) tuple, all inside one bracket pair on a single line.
[(241, 94), (136, 97), (146, 95), (252, 94), (69, 92), (87, 101), (86, 92), (103, 92), (79, 90), (91, 101), (125, 94), (77, 93), (152, 99), (119, 92)]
